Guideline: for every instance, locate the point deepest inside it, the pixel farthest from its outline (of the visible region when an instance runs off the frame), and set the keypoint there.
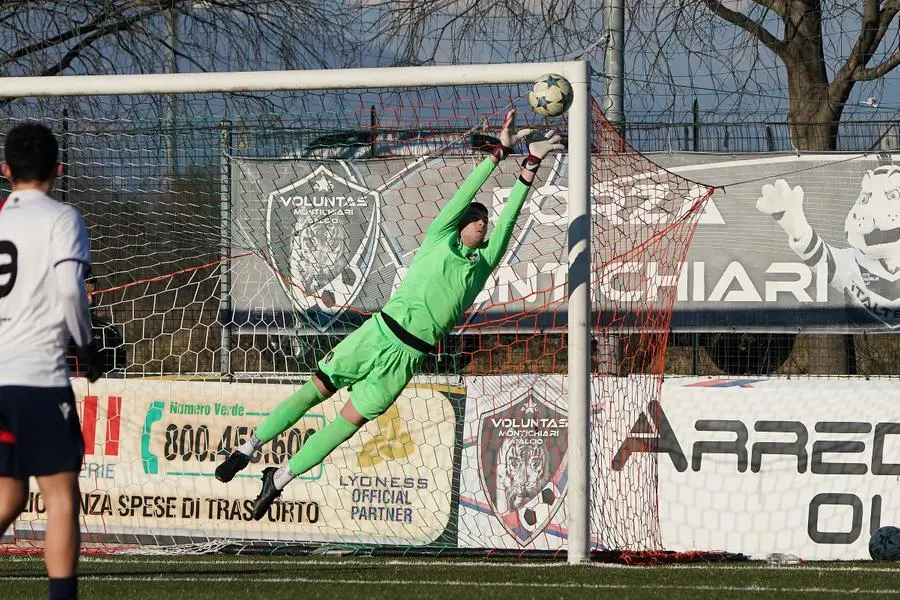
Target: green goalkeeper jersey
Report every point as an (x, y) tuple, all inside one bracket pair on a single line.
[(445, 276)]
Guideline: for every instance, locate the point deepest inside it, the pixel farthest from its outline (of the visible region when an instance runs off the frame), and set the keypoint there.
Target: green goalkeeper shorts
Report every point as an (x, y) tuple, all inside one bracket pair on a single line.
[(373, 364)]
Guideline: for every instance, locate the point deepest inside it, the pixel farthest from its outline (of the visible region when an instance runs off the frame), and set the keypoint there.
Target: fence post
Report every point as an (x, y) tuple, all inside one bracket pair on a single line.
[(226, 318), (696, 112), (64, 156)]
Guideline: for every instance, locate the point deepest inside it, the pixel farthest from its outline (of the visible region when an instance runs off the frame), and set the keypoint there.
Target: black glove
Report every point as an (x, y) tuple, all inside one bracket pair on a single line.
[(89, 363)]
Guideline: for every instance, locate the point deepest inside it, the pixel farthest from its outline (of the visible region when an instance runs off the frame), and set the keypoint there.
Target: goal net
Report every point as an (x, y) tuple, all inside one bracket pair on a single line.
[(238, 236)]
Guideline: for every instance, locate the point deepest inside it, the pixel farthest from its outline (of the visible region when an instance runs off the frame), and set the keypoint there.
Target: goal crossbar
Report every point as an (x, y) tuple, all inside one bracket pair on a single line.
[(577, 72)]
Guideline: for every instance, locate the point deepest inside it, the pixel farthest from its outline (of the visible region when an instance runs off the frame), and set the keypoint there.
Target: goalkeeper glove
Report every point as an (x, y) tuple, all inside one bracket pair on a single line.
[(89, 362), (537, 151), (509, 137)]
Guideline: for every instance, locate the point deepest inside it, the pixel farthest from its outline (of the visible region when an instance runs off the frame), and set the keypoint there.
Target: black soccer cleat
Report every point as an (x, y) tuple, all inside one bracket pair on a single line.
[(267, 494), (235, 462)]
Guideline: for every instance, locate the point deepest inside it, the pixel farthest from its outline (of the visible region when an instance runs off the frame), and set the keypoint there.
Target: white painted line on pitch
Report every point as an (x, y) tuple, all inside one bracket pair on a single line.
[(806, 567), (299, 561), (456, 583), (381, 562)]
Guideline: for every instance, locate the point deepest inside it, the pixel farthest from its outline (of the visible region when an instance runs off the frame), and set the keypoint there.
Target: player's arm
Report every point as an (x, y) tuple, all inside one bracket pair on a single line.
[(73, 296), (447, 221), (503, 231), (71, 261)]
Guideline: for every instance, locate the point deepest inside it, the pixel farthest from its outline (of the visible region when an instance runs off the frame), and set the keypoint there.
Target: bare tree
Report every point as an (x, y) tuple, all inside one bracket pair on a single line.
[(56, 37), (819, 81), (763, 58), (404, 32), (738, 55)]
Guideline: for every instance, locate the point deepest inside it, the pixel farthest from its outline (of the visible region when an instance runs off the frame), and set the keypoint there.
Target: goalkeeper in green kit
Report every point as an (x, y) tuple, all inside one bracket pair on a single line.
[(380, 358)]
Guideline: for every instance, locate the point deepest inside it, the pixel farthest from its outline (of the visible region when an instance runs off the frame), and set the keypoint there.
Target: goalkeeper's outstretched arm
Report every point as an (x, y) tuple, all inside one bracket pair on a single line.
[(447, 221), (499, 241)]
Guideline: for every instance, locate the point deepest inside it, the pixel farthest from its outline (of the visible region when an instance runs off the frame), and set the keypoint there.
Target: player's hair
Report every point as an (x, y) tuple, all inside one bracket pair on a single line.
[(475, 212), (31, 151)]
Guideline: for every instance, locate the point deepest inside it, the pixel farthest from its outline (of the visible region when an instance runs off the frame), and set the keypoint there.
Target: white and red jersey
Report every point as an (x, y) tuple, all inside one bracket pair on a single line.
[(36, 234)]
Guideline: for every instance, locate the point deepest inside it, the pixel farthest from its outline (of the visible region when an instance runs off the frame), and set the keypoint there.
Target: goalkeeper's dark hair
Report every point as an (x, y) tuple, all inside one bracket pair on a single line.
[(476, 212), (32, 152)]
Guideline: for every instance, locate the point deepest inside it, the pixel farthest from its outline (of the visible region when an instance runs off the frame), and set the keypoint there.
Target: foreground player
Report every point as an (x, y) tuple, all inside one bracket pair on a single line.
[(43, 257), (378, 360)]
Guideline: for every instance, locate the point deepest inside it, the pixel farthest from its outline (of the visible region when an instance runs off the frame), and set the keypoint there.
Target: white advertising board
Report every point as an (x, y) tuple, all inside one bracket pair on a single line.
[(152, 447), (808, 466)]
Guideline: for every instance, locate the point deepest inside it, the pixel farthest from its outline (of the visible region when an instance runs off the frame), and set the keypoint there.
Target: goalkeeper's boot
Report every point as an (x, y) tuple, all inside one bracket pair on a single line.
[(267, 495), (235, 462)]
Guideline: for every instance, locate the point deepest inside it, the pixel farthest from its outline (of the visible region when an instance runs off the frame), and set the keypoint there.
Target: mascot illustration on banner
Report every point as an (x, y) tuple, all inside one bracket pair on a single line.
[(868, 271)]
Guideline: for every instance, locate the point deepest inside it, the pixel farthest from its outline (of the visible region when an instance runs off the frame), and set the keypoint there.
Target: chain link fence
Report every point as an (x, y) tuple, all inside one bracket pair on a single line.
[(152, 196)]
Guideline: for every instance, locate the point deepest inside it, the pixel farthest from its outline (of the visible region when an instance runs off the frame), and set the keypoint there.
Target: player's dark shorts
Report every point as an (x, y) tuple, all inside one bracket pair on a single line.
[(39, 432)]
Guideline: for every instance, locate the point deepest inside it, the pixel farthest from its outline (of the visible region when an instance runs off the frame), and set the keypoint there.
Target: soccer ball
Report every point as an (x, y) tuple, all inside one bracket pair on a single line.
[(885, 543), (551, 95)]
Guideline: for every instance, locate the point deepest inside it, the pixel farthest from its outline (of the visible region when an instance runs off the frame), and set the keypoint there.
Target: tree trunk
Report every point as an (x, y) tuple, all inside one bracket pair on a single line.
[(813, 115), (815, 127), (813, 120), (815, 108)]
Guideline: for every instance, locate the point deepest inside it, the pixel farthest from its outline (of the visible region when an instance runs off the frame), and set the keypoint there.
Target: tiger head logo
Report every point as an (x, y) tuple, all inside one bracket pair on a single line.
[(521, 471), (873, 223), (523, 464), (322, 236)]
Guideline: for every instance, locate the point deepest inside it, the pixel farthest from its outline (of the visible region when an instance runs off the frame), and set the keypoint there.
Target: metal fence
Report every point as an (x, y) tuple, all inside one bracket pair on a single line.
[(717, 136), (152, 198)]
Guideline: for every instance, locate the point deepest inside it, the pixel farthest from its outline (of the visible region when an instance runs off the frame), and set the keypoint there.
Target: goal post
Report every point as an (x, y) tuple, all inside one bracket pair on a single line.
[(176, 254), (579, 323)]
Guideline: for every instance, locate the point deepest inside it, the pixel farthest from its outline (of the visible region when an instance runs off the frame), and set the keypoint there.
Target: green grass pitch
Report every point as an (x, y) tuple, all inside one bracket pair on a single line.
[(272, 578)]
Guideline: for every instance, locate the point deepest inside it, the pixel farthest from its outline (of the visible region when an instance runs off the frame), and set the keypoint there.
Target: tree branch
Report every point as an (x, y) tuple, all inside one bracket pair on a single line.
[(880, 70), (76, 51), (752, 27), (875, 26), (866, 42), (96, 24)]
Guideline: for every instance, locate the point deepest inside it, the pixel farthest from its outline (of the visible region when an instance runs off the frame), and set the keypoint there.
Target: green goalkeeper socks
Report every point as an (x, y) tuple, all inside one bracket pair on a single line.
[(321, 444), (289, 411)]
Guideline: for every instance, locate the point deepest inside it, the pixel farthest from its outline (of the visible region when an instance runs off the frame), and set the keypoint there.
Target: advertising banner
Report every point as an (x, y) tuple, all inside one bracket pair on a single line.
[(514, 463), (808, 467), (792, 241), (152, 447), (338, 236), (787, 241)]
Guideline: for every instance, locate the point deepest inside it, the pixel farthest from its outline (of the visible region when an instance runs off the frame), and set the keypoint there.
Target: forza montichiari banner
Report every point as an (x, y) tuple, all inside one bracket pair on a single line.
[(809, 241), (786, 241)]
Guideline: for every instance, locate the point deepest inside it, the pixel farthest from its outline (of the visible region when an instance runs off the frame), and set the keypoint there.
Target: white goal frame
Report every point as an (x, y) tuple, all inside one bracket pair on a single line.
[(579, 213)]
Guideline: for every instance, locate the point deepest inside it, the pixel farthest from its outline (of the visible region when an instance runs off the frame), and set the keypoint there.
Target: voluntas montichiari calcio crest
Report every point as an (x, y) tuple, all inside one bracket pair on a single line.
[(322, 234), (522, 455)]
